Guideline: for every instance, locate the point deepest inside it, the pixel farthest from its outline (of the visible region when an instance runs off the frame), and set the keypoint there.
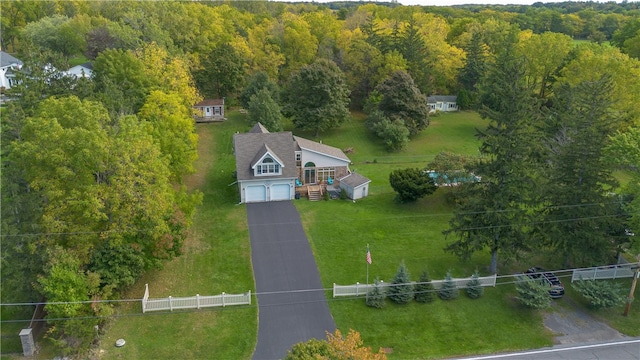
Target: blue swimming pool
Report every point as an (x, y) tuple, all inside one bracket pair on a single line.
[(444, 180)]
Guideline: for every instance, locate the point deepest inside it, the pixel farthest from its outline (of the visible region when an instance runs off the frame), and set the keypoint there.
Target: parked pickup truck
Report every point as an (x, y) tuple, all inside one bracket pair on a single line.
[(556, 289)]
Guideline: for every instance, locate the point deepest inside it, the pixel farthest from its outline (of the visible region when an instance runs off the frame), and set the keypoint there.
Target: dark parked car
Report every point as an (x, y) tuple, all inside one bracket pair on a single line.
[(556, 289)]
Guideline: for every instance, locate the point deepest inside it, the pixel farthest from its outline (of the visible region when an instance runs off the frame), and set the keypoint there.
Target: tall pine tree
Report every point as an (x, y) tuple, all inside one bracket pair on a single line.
[(494, 209), (581, 217)]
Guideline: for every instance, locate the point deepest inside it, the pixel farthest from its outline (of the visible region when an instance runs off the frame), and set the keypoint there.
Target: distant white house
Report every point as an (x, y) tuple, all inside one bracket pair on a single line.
[(442, 103), (81, 71), (8, 66)]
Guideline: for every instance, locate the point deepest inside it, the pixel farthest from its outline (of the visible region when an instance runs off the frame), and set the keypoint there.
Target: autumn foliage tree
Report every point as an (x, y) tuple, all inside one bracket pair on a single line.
[(336, 347)]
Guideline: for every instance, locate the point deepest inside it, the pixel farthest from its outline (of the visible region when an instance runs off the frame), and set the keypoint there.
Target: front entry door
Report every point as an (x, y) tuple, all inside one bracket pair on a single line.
[(309, 176)]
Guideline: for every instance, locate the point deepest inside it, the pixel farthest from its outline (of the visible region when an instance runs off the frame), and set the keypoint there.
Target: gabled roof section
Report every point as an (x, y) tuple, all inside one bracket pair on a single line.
[(258, 128), (321, 148), (441, 98), (354, 180), (263, 153), (249, 147), (210, 102), (7, 60)]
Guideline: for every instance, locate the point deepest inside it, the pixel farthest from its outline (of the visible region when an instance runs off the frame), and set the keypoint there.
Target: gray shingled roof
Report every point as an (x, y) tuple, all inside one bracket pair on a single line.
[(247, 146), (321, 148), (259, 129), (6, 60), (441, 98), (354, 180), (210, 102)]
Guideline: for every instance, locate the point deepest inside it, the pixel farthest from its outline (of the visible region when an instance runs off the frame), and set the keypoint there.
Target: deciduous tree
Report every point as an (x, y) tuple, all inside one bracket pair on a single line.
[(317, 97), (265, 110), (402, 100)]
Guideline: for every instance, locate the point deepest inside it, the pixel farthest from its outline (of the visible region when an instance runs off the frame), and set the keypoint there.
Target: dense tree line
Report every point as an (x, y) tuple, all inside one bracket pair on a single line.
[(91, 168)]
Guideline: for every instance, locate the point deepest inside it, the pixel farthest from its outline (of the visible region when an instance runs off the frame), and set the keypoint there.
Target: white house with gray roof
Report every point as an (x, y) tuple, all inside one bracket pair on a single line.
[(269, 166), (8, 66), (442, 103)]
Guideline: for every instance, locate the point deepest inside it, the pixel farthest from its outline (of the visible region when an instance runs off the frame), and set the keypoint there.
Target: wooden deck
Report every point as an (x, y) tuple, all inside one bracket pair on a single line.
[(209, 119)]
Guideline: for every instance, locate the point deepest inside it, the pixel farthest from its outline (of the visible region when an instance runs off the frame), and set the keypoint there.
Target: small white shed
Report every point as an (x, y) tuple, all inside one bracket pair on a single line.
[(355, 185)]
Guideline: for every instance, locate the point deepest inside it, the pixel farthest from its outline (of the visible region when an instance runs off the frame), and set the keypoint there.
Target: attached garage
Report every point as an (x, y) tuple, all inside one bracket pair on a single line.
[(255, 193), (280, 192)]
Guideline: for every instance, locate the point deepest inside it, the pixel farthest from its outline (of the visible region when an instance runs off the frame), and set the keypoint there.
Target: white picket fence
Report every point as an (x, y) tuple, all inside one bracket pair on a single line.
[(608, 272), (194, 302), (361, 289)]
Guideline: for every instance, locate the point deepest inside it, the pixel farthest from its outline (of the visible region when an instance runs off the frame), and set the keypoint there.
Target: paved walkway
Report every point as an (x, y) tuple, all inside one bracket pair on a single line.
[(291, 308)]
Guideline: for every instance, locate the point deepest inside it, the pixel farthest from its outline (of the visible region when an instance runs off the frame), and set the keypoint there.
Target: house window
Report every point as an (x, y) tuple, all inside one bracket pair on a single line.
[(217, 110), (268, 167), (298, 158), (324, 173), (432, 106)]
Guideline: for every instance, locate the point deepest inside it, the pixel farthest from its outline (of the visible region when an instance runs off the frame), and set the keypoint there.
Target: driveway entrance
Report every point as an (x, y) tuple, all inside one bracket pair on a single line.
[(291, 303)]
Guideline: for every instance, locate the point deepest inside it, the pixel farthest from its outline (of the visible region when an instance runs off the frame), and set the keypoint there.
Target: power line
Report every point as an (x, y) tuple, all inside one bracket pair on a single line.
[(257, 294), (366, 219)]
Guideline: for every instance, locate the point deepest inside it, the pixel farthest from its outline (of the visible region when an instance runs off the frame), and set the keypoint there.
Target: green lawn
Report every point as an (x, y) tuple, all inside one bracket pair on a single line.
[(217, 258), (339, 232)]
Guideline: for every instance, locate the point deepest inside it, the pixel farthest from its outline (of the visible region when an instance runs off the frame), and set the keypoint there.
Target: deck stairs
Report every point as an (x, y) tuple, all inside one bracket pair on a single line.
[(314, 193)]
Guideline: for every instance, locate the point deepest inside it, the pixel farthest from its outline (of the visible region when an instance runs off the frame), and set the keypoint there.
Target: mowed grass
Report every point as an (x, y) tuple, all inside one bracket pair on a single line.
[(217, 258), (339, 232)]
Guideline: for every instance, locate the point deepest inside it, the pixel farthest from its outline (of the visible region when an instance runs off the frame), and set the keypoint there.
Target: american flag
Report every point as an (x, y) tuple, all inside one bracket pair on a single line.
[(368, 256)]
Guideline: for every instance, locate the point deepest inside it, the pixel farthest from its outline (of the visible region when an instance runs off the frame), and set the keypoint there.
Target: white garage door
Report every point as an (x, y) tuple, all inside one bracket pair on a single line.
[(255, 193), (280, 192)]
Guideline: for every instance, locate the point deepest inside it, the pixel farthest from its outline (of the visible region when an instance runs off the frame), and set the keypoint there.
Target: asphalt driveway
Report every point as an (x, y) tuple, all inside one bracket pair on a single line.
[(291, 305)]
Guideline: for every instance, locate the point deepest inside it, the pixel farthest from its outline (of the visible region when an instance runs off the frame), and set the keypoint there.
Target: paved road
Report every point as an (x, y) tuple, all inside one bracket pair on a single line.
[(617, 350), (286, 273)]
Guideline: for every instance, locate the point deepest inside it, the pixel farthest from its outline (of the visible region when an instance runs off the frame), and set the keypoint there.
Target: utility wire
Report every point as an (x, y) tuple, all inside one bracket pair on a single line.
[(370, 219), (265, 293)]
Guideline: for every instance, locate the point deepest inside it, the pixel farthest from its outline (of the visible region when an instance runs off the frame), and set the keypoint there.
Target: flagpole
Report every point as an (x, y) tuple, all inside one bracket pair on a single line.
[(368, 269)]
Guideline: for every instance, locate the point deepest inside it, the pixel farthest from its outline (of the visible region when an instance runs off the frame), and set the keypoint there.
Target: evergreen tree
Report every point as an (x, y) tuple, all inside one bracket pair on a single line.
[(533, 293), (424, 291), (474, 288), (401, 290), (411, 184), (473, 71), (377, 295), (510, 145), (601, 293), (448, 290), (579, 176)]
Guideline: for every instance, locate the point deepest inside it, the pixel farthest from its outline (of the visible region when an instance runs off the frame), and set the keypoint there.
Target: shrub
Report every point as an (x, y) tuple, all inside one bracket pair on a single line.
[(533, 293), (401, 289), (474, 288), (411, 184), (448, 291), (376, 296), (601, 294), (424, 291), (343, 194)]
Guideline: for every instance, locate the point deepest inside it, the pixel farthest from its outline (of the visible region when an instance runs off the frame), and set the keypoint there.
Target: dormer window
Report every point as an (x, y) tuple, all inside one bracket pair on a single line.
[(268, 167)]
